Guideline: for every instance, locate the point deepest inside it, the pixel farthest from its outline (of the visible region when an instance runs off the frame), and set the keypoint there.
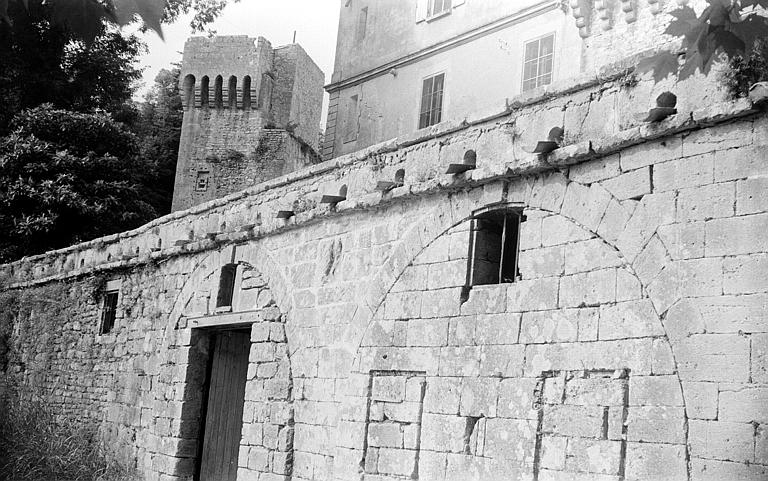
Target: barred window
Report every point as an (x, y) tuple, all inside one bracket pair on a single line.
[(494, 244), (432, 101), (539, 59)]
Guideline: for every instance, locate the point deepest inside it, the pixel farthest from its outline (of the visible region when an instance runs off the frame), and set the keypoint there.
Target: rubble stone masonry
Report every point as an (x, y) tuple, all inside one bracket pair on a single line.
[(633, 346)]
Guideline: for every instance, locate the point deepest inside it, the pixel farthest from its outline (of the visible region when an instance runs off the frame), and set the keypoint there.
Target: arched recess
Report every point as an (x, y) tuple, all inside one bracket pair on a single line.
[(539, 360), (232, 92), (247, 92), (204, 91), (189, 91), (269, 385), (218, 92)]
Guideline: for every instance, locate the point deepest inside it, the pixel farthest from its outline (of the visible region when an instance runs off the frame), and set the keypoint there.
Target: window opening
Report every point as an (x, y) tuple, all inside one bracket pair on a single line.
[(204, 91), (247, 92), (232, 92), (494, 243), (189, 91), (438, 7), (226, 285), (109, 311), (362, 24), (218, 95), (431, 101), (203, 180), (538, 63), (351, 119)]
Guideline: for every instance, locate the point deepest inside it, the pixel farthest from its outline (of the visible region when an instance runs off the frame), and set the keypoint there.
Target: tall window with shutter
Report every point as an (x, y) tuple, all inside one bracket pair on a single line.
[(431, 111)]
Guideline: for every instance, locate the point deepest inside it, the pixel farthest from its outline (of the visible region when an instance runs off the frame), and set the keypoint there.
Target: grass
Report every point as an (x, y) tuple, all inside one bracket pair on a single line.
[(35, 445)]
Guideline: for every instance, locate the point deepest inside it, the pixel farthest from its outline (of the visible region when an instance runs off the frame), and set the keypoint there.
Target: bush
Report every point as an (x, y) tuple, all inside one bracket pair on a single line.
[(35, 445), (743, 72)]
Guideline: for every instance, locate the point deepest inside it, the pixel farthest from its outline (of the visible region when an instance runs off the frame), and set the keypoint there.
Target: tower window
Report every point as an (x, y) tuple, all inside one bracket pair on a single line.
[(226, 286), (109, 306), (431, 101), (362, 24), (494, 244), (203, 180), (438, 7), (351, 119), (218, 92), (204, 91), (539, 58)]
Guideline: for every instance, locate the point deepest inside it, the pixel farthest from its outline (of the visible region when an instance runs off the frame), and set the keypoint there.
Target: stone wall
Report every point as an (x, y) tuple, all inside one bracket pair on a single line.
[(632, 346)]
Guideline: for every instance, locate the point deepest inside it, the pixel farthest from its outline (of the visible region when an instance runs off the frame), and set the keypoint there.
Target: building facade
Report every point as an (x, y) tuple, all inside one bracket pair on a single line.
[(596, 313), (251, 113)]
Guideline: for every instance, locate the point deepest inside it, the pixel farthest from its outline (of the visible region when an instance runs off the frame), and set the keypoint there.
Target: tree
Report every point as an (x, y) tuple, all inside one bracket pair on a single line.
[(85, 18), (724, 28), (159, 128), (66, 177)]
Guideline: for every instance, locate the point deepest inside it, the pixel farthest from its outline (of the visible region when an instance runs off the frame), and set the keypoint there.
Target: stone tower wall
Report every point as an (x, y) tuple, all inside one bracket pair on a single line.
[(223, 147)]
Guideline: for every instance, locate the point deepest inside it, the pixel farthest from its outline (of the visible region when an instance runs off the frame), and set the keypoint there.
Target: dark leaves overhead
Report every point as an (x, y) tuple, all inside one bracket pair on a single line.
[(722, 29)]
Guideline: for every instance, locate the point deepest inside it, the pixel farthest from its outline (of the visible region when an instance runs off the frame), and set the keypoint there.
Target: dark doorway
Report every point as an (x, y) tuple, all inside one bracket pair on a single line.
[(223, 420)]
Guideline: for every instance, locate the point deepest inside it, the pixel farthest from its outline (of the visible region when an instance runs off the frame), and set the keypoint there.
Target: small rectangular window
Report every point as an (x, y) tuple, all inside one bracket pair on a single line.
[(351, 114), (494, 247), (538, 63), (438, 7), (202, 181), (431, 111), (226, 286), (109, 311), (362, 24)]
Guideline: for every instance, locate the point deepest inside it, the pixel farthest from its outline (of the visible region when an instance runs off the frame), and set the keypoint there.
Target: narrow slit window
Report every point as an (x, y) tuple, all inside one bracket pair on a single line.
[(495, 242), (539, 62), (232, 92), (204, 91), (218, 89), (247, 92), (226, 285), (431, 111), (109, 311)]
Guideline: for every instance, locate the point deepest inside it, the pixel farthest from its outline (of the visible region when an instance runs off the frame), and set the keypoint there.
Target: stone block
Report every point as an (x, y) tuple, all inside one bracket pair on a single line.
[(571, 420), (501, 361), (683, 173), (447, 274), (714, 470), (593, 456), (590, 255), (542, 262), (432, 466), (586, 205), (388, 388), (510, 439), (745, 274), (460, 361), (752, 196), (720, 138), (651, 260), (761, 444), (594, 391), (461, 331), (399, 462), (650, 153), (427, 332), (386, 434), (629, 319), (595, 170), (616, 216), (479, 397), (736, 235), (655, 462), (516, 398), (550, 326), (588, 289), (553, 449), (484, 299), (700, 399), (683, 241), (759, 358), (497, 329), (713, 357), (722, 440), (258, 458), (745, 405), (530, 230), (403, 305), (630, 185), (706, 202), (532, 295), (556, 230), (652, 212), (655, 391), (443, 433), (656, 424), (548, 192), (740, 163)]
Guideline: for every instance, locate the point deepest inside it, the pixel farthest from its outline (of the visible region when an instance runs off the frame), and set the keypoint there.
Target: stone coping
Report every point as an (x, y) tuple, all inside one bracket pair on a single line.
[(71, 261)]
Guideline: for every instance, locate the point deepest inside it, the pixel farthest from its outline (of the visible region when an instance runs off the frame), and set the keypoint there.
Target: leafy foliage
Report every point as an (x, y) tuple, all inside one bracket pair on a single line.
[(35, 445), (159, 128), (724, 28), (67, 177), (86, 18), (743, 72)]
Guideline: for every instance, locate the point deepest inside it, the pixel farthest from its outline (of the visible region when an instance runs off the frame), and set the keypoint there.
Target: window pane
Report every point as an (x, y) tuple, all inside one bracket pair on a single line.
[(547, 45), (446, 4), (528, 85), (530, 70), (545, 79), (545, 65), (531, 50)]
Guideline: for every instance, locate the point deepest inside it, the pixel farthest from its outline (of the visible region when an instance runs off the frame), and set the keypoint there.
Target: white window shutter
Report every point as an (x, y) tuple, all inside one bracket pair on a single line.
[(421, 10)]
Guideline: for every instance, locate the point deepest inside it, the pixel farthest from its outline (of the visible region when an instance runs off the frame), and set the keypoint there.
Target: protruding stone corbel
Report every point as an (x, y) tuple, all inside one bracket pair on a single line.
[(581, 12), (656, 6), (630, 10), (604, 10)]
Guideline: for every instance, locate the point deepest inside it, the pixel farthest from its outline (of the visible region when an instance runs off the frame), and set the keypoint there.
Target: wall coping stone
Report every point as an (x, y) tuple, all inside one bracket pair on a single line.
[(567, 155)]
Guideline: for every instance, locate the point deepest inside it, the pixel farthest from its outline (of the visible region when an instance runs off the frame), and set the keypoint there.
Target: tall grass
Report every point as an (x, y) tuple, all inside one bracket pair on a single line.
[(36, 445)]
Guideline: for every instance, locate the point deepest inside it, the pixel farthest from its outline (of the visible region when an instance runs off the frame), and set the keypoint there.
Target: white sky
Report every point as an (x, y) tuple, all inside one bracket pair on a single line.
[(315, 23)]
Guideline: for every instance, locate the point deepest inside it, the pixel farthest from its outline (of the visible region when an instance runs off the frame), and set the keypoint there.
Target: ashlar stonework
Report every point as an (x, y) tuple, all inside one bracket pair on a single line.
[(632, 346)]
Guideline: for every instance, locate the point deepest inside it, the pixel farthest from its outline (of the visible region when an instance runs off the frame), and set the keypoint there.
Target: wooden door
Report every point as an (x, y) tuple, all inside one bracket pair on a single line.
[(224, 414)]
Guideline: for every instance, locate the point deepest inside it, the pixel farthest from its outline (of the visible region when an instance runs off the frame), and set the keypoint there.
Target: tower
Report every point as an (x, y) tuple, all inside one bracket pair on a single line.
[(251, 113)]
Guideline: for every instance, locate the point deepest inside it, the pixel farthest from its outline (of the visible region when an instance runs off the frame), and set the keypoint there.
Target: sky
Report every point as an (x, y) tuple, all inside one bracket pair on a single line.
[(315, 23)]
